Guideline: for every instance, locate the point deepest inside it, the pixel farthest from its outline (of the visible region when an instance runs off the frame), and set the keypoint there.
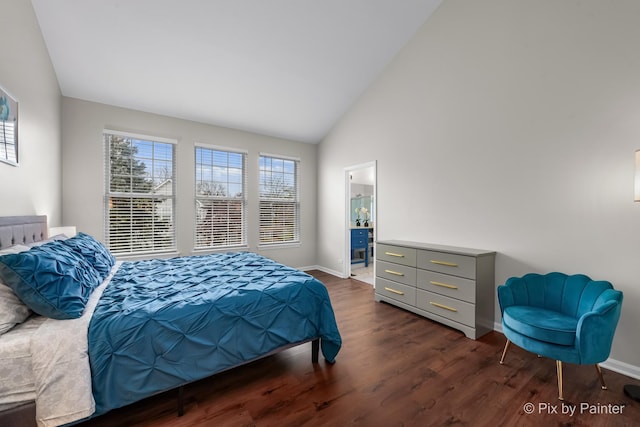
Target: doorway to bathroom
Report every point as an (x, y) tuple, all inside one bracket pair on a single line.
[(360, 183)]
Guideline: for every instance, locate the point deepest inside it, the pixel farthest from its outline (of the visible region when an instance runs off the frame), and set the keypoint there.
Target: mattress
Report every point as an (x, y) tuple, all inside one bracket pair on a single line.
[(18, 383)]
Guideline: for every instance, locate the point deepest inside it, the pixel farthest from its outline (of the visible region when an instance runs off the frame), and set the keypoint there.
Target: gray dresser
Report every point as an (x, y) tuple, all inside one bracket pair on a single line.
[(451, 285)]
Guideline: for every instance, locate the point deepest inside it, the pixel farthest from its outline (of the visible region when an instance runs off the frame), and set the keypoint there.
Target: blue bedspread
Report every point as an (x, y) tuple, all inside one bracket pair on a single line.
[(166, 322)]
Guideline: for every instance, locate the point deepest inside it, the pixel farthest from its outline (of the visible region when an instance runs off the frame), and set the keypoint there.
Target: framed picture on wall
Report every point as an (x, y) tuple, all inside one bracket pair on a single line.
[(8, 128)]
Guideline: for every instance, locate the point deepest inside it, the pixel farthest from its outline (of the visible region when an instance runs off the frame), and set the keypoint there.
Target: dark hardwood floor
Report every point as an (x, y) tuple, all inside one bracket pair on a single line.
[(395, 369)]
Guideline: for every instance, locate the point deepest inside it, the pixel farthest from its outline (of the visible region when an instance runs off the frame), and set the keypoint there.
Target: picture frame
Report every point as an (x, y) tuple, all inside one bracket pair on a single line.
[(8, 128)]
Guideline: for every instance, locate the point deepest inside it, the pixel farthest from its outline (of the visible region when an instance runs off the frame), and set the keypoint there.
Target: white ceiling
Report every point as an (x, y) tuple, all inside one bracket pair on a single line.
[(286, 68)]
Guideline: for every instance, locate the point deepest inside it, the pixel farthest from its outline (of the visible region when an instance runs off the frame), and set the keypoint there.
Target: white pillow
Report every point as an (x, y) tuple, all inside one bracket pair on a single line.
[(12, 310), (16, 249), (50, 239)]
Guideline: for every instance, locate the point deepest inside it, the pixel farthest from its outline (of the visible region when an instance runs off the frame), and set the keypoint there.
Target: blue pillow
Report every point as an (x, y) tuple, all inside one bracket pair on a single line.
[(94, 252), (52, 279)]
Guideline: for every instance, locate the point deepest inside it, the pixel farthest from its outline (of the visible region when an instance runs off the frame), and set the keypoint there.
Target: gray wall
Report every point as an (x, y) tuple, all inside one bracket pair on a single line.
[(26, 72), (83, 171), (511, 126)]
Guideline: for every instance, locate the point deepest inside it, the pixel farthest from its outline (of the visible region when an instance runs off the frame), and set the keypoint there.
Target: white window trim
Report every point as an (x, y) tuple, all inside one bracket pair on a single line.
[(220, 148), (132, 135), (106, 175), (277, 156), (289, 244), (245, 199)]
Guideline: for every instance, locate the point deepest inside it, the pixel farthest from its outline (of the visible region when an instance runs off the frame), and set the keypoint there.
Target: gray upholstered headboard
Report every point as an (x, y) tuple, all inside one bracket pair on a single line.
[(18, 230)]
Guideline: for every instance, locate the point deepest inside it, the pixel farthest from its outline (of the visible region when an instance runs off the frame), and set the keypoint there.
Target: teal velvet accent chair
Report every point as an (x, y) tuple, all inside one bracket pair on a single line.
[(568, 318)]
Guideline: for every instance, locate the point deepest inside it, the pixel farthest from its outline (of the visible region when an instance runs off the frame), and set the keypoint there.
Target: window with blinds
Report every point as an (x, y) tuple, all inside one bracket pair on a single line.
[(8, 146), (279, 200), (220, 198), (8, 129), (140, 194)]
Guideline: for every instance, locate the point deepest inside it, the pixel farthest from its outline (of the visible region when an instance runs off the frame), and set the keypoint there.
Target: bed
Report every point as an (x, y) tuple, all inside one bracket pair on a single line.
[(102, 334)]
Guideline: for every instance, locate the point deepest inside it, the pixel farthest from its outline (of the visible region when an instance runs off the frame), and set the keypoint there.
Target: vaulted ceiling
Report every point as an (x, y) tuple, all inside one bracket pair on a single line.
[(286, 68)]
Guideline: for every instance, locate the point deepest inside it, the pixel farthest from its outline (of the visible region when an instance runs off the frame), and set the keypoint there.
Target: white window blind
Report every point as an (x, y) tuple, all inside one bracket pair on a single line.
[(8, 151), (8, 129), (279, 200), (140, 194), (220, 198)]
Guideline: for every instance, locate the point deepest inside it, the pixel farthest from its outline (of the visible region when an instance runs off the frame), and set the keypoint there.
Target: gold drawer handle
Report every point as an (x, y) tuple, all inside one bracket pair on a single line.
[(442, 306), (444, 285), (448, 264), (394, 254), (394, 273), (394, 291)]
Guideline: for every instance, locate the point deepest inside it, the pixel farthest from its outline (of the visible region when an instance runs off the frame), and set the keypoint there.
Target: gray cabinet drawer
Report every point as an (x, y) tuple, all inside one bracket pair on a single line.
[(442, 262), (396, 272), (397, 291), (396, 254), (444, 284), (460, 311)]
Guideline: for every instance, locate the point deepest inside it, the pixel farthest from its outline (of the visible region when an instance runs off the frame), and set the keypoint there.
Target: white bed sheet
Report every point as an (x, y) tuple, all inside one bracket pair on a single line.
[(17, 385), (58, 376)]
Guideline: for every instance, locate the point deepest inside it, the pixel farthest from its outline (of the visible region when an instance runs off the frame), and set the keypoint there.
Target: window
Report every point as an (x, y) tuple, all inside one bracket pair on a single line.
[(8, 129), (279, 200), (140, 194), (8, 146), (220, 198)]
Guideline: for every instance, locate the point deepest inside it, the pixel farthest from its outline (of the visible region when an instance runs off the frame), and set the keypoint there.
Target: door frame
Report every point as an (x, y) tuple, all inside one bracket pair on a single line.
[(346, 271)]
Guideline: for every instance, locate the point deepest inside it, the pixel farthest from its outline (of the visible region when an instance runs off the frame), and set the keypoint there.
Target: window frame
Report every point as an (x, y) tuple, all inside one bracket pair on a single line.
[(243, 243), (9, 129), (155, 247), (296, 238)]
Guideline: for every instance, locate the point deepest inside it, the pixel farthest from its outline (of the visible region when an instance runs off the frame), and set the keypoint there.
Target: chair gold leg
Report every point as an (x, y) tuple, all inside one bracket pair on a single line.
[(599, 370), (559, 372), (504, 352)]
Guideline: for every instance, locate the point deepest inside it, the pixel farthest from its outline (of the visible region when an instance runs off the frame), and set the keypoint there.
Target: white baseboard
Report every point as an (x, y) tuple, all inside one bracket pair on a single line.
[(622, 368), (611, 364), (497, 326)]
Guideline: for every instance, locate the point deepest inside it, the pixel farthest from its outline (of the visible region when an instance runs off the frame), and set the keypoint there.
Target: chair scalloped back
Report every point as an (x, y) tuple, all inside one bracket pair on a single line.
[(573, 295)]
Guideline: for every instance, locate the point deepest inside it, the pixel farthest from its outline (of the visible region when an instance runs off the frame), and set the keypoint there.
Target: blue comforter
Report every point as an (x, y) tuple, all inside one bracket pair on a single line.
[(165, 322)]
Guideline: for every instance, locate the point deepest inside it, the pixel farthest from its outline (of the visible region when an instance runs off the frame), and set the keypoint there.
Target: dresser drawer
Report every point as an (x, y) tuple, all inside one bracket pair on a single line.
[(359, 232), (359, 238), (396, 272), (396, 254), (444, 284), (447, 263), (359, 242), (397, 291), (460, 311)]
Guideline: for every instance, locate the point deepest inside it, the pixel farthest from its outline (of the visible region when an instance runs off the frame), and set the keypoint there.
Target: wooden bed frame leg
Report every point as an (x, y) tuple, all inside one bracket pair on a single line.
[(315, 350), (181, 401)]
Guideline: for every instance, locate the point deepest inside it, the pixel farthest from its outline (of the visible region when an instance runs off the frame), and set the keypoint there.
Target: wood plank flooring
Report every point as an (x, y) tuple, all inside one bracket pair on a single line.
[(395, 369)]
